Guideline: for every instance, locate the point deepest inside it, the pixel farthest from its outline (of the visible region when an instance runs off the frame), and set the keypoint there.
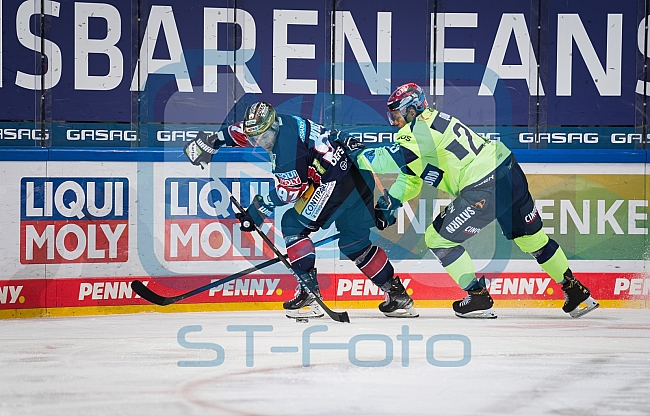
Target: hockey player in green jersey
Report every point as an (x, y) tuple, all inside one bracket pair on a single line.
[(486, 183)]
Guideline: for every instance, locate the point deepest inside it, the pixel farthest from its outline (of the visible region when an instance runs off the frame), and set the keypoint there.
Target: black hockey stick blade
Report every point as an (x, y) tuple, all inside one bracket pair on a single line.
[(147, 294), (337, 316)]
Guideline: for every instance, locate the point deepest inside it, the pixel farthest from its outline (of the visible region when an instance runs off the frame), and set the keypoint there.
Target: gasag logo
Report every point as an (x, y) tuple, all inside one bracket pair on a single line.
[(74, 220)]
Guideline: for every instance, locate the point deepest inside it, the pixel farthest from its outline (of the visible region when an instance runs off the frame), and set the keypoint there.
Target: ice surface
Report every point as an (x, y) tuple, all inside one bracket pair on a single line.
[(526, 362)]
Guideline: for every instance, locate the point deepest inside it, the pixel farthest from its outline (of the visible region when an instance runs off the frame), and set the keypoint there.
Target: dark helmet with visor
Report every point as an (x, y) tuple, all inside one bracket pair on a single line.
[(260, 124), (404, 97)]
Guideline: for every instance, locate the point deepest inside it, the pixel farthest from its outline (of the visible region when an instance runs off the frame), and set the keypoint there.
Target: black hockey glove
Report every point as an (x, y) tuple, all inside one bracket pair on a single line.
[(255, 214), (200, 150), (349, 143), (385, 211)]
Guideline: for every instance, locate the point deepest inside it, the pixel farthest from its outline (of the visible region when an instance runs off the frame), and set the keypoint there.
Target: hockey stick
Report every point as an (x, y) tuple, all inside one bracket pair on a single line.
[(149, 295), (337, 316)]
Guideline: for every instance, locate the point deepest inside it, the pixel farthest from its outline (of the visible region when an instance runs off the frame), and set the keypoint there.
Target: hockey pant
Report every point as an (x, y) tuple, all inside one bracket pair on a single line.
[(503, 195), (351, 207)]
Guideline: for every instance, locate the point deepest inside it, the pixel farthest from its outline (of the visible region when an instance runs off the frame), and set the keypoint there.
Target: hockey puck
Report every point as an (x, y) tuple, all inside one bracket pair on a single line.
[(305, 320)]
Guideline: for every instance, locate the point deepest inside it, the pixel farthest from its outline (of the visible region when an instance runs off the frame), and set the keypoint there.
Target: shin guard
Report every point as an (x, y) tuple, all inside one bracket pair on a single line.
[(374, 263), (301, 253), (457, 263), (552, 259)]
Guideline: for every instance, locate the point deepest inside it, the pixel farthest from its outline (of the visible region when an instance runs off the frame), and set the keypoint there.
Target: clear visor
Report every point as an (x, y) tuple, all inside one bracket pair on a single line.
[(395, 116), (265, 139)]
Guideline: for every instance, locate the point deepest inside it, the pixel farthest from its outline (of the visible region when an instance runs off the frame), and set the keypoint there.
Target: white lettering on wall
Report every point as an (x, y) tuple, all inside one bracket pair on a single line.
[(511, 24), (457, 55), (235, 59), (84, 46), (378, 80), (162, 16), (283, 51), (51, 50), (570, 28)]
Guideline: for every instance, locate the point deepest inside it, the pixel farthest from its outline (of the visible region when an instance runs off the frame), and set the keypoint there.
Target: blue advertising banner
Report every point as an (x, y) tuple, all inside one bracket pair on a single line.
[(533, 67)]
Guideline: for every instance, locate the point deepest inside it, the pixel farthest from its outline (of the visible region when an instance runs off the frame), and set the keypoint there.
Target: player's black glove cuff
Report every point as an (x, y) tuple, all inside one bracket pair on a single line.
[(255, 214), (349, 143), (386, 210), (200, 150)]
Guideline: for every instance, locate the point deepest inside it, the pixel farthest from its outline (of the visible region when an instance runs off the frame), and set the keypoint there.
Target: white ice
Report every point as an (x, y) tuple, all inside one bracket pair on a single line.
[(526, 362)]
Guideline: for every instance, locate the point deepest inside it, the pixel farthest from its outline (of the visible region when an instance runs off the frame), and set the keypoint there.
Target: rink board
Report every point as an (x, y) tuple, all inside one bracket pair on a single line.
[(75, 234), (88, 296)]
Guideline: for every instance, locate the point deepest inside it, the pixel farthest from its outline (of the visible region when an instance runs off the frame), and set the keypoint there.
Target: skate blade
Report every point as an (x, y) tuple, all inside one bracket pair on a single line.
[(312, 311), (403, 313), (486, 314), (591, 305)]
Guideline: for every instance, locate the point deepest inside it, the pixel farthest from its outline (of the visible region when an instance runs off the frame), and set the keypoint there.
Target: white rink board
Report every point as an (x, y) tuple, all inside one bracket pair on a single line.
[(147, 217)]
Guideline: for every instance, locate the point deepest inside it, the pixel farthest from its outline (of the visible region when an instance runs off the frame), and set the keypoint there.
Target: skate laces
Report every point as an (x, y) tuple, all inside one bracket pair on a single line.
[(298, 291), (570, 283), (467, 299)]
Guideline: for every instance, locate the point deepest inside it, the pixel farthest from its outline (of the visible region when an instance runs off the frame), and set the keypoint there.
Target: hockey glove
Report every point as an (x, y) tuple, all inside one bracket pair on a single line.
[(200, 150), (349, 143), (255, 214), (385, 211)]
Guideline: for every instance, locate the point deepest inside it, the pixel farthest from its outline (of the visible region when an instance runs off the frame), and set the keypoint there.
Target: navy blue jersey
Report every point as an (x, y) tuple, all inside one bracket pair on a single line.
[(303, 155), (314, 172)]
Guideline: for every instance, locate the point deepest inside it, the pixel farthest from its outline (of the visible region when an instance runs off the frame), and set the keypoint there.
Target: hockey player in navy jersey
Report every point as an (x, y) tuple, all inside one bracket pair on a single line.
[(312, 172)]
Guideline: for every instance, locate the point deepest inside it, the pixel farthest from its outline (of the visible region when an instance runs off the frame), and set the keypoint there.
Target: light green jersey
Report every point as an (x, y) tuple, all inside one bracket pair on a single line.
[(437, 149)]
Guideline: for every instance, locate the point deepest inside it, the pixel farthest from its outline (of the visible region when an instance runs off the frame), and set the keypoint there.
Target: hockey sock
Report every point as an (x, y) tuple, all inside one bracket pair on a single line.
[(550, 256), (457, 263), (374, 263), (301, 253), (557, 264), (476, 284)]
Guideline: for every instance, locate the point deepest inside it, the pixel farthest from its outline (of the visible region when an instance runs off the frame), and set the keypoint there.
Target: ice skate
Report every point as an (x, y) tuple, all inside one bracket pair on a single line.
[(303, 304), (575, 294), (398, 304), (477, 304)]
